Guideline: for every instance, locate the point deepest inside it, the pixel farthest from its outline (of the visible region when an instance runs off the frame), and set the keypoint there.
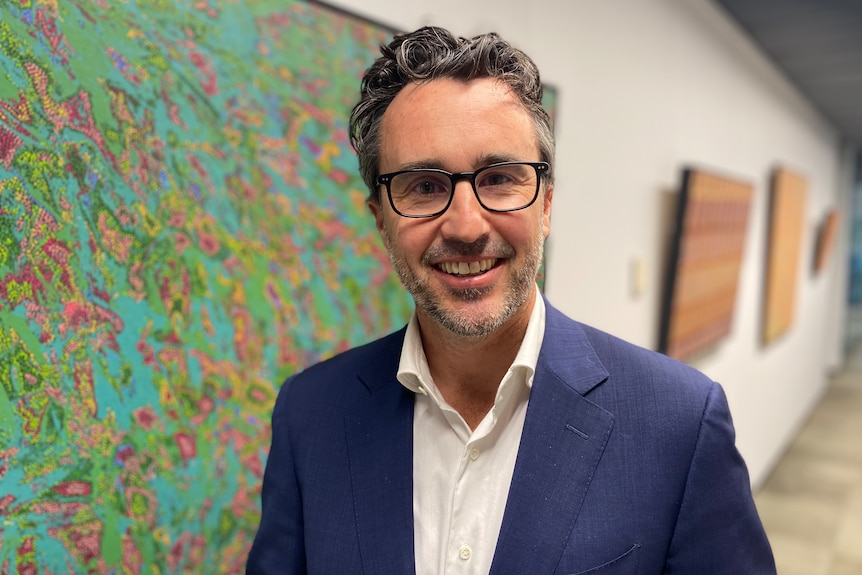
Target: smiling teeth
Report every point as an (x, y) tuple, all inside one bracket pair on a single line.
[(464, 268)]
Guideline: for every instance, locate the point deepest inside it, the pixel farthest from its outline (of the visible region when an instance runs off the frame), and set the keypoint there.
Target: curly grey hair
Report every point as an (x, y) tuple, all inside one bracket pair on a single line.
[(430, 53)]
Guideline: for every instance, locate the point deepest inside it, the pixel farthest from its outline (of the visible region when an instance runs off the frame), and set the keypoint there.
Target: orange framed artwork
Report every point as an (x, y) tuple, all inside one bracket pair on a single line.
[(703, 274), (826, 239), (784, 251)]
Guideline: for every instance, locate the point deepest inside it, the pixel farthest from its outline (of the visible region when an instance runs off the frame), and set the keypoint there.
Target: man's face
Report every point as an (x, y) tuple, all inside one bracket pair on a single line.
[(460, 127)]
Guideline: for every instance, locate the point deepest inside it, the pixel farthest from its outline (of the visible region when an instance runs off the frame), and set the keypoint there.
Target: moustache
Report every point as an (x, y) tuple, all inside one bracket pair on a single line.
[(448, 249)]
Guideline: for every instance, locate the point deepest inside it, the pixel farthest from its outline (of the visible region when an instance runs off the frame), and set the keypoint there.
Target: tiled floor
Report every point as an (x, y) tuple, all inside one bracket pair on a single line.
[(811, 505)]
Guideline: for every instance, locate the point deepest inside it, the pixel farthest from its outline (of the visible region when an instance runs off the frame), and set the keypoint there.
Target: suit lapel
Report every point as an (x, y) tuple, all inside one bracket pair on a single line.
[(380, 449), (563, 440)]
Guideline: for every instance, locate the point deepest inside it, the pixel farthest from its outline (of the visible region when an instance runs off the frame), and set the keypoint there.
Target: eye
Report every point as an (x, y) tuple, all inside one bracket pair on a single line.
[(496, 179), (428, 187), (421, 184)]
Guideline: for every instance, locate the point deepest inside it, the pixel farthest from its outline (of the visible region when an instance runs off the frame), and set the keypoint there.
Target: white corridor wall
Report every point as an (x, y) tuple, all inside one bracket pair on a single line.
[(647, 87)]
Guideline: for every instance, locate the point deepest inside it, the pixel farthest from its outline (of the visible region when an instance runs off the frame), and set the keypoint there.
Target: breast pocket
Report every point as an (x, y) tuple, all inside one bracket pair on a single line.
[(625, 564)]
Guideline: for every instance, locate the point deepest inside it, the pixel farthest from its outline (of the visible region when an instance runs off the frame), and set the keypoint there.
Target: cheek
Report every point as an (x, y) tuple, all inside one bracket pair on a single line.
[(412, 241), (393, 236), (387, 226), (538, 225), (384, 235)]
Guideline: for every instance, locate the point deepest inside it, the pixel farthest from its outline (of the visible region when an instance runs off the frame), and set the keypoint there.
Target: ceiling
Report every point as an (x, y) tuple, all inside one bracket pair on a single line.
[(818, 45)]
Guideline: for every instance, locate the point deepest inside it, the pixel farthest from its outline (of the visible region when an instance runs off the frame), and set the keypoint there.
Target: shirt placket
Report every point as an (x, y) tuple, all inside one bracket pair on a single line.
[(465, 537)]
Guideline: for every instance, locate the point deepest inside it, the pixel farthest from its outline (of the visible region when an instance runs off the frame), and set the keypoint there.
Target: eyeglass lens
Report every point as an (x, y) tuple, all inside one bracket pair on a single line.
[(502, 188)]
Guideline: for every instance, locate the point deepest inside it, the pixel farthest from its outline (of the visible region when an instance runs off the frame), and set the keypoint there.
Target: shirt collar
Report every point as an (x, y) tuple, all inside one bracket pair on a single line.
[(413, 371)]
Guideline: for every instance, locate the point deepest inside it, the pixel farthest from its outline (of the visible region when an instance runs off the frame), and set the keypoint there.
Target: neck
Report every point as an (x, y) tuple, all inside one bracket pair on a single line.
[(468, 370)]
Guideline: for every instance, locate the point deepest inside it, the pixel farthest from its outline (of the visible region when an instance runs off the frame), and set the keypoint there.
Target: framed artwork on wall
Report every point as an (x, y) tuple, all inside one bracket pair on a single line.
[(703, 272), (182, 225), (826, 235), (549, 101), (784, 251)]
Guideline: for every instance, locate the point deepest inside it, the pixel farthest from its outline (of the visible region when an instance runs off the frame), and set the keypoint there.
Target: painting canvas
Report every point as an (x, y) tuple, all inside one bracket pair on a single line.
[(549, 102), (784, 252), (707, 253), (182, 225), (826, 236)]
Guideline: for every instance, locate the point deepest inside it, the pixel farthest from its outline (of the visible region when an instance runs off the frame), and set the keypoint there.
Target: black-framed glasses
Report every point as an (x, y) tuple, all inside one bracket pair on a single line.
[(502, 187)]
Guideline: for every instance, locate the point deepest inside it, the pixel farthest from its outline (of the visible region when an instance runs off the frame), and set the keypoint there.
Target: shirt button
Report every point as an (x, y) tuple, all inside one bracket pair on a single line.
[(465, 552), (474, 454)]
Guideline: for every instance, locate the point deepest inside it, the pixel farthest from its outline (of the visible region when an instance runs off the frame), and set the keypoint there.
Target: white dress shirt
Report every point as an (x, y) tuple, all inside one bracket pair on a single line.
[(461, 477)]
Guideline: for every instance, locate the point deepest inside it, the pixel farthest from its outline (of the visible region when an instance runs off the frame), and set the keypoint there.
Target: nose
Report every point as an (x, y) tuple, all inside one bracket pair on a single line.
[(465, 220)]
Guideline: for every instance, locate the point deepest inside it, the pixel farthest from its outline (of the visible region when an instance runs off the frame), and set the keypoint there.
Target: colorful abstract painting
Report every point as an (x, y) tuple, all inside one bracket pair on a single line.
[(181, 226), (709, 244)]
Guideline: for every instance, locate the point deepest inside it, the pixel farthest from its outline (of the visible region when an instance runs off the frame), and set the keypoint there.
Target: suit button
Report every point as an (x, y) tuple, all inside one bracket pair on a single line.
[(465, 552)]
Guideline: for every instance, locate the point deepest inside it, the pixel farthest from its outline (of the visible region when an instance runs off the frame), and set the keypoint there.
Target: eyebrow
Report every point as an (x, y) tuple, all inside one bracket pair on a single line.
[(434, 164)]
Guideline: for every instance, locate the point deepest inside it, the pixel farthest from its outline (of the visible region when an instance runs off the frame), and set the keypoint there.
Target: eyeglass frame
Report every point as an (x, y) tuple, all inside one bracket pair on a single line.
[(541, 169)]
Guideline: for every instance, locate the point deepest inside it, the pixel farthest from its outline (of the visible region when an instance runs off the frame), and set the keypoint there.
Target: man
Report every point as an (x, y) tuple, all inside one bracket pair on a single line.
[(492, 434)]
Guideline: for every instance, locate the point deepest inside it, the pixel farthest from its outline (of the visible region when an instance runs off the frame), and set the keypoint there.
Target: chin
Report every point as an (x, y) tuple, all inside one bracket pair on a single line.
[(475, 319)]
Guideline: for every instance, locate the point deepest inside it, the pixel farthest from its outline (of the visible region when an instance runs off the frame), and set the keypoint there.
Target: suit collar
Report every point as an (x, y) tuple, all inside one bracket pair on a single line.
[(380, 373), (568, 354), (563, 441), (564, 438), (379, 432)]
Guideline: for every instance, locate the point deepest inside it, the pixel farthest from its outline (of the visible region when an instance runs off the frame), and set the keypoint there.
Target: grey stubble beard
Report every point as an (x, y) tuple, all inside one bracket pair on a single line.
[(517, 293)]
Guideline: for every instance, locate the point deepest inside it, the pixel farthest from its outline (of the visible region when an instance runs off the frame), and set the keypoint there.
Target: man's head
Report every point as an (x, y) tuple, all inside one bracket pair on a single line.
[(453, 135), (432, 53)]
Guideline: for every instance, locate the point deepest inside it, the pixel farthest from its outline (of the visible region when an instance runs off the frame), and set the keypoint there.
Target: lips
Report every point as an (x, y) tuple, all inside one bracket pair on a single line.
[(467, 268)]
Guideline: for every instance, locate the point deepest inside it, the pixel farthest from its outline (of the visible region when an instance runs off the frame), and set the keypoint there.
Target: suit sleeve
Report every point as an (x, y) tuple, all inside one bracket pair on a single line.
[(718, 531), (279, 544)]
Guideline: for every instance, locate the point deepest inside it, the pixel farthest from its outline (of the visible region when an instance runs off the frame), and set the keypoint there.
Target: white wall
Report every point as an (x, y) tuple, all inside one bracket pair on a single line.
[(646, 88)]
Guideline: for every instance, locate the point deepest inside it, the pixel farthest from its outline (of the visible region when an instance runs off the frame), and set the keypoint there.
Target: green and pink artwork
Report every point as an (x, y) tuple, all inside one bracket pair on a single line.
[(181, 226)]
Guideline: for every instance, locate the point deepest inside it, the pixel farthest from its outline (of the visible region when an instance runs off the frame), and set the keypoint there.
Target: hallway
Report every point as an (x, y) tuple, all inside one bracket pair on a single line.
[(811, 505)]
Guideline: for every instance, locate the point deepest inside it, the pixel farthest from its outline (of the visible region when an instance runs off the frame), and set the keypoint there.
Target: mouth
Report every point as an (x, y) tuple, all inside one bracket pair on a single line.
[(462, 269)]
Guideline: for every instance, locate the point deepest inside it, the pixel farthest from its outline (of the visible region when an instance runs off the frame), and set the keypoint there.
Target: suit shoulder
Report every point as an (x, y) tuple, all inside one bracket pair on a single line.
[(629, 364), (386, 347), (647, 390), (613, 345), (331, 375)]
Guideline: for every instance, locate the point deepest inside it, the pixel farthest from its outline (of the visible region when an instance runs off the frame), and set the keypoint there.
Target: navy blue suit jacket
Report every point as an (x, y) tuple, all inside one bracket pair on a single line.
[(627, 465)]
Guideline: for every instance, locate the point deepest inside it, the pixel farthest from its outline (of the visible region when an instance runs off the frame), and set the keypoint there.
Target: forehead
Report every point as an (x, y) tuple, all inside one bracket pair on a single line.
[(455, 125)]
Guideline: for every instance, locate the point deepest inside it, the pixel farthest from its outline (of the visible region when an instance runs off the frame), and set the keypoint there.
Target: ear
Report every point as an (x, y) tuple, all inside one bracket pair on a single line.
[(377, 211), (546, 209)]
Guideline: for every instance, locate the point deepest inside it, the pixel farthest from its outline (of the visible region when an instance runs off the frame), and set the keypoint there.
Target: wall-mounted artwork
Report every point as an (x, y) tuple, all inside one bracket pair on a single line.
[(703, 273), (182, 225), (549, 102), (827, 233), (784, 251)]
